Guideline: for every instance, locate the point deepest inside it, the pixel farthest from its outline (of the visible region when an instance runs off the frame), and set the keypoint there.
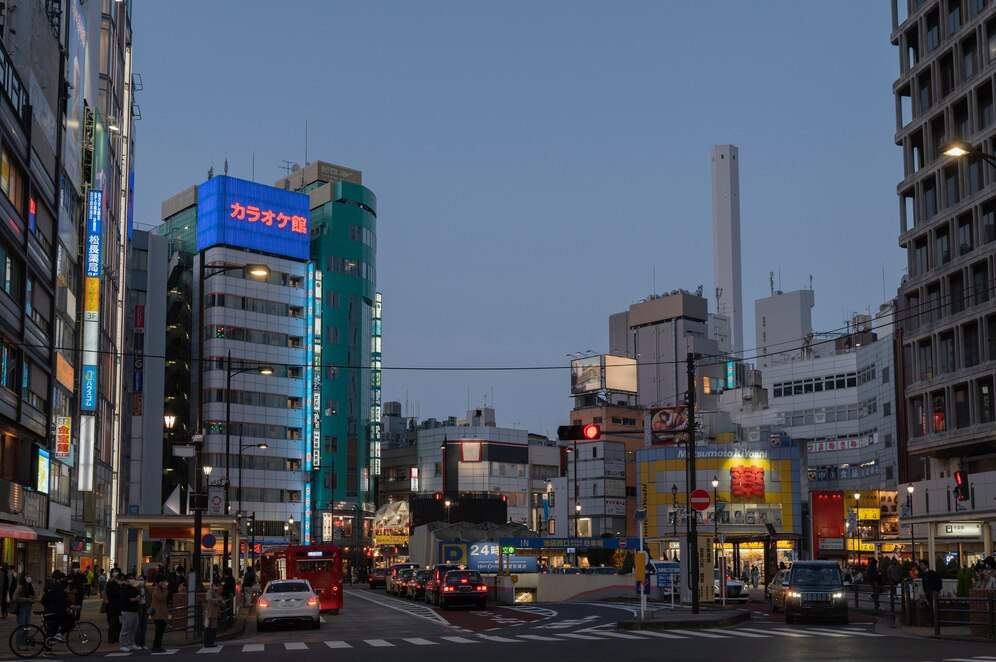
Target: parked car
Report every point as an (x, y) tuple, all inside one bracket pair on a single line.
[(775, 591), (815, 589), (399, 585), (463, 587), (392, 574), (377, 578), (416, 585), (735, 589), (435, 581), (288, 601)]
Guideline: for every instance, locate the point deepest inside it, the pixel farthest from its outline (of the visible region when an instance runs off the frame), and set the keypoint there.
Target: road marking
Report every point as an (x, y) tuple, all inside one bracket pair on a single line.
[(253, 648), (168, 651), (506, 640), (738, 633), (377, 643), (295, 645), (786, 632), (618, 635), (209, 649), (537, 637), (575, 635), (424, 612), (419, 641), (119, 654), (846, 633), (661, 635), (827, 633), (460, 640), (337, 644), (700, 633), (770, 632)]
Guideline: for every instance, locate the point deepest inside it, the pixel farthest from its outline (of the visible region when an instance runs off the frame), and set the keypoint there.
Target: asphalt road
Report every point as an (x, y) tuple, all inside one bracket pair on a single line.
[(372, 623)]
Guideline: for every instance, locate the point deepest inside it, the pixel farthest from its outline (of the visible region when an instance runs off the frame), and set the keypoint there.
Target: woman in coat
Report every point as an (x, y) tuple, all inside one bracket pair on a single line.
[(159, 610), (24, 598)]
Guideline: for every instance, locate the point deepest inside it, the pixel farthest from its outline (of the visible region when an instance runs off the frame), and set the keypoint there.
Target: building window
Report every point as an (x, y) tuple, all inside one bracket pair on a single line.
[(954, 16), (933, 31), (8, 366), (946, 352), (12, 180), (942, 246), (980, 283), (984, 399), (961, 413), (938, 411), (918, 417), (968, 67), (925, 360), (988, 222), (929, 198), (964, 235), (951, 191), (984, 104)]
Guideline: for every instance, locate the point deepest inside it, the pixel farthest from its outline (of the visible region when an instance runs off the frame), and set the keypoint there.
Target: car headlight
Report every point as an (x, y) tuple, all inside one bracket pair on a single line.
[(794, 594), (839, 595)]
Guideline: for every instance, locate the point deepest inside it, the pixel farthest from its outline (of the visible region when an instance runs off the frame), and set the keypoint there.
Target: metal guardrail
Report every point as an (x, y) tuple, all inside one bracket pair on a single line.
[(179, 616), (977, 612)]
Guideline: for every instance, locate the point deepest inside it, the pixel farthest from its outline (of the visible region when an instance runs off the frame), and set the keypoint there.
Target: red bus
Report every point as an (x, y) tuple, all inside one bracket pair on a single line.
[(321, 565)]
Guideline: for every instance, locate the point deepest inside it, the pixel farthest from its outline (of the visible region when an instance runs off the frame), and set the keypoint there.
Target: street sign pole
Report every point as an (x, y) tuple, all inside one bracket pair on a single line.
[(642, 558), (693, 529)]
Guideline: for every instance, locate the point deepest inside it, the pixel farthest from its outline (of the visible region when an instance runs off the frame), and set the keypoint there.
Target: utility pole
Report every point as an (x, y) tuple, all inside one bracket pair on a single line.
[(693, 528)]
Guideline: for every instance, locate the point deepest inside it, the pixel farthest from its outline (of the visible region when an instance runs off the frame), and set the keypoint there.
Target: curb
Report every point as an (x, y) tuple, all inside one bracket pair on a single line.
[(725, 621)]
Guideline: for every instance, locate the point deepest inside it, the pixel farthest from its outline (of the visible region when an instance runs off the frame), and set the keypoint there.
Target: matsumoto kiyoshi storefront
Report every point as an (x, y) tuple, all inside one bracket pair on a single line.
[(758, 492)]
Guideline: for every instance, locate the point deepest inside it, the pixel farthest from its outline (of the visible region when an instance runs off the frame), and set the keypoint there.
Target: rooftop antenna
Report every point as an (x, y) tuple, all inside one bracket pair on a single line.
[(771, 282), (252, 167), (653, 280), (810, 281), (287, 166), (211, 172), (779, 279), (226, 166), (305, 142)]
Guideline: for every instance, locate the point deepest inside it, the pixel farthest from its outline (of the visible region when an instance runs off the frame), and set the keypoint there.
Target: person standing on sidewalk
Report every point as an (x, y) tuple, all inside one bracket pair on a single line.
[(6, 580), (143, 612), (874, 580), (24, 597), (159, 611), (112, 605), (212, 610), (128, 602), (101, 580)]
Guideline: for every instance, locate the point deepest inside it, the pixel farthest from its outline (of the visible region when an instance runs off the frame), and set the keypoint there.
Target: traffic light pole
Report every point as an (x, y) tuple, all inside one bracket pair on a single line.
[(693, 528)]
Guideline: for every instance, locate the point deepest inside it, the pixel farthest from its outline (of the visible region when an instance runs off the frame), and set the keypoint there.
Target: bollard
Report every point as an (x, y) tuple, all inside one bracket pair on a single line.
[(935, 604)]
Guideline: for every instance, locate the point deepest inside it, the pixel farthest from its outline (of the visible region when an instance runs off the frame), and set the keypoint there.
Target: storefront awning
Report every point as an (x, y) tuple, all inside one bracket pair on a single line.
[(17, 532), (48, 535)]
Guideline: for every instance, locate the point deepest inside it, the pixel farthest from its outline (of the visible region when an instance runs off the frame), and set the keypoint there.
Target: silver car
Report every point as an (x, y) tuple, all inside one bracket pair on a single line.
[(288, 601)]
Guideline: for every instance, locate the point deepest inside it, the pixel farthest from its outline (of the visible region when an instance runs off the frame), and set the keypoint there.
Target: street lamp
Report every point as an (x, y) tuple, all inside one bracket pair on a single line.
[(959, 149), (447, 503), (207, 469), (577, 520), (909, 504)]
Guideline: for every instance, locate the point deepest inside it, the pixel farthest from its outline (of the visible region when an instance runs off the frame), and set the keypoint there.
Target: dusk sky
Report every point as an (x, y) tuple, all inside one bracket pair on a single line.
[(535, 162)]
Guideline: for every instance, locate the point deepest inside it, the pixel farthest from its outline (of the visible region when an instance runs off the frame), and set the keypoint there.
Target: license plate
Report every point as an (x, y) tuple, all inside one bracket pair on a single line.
[(465, 589)]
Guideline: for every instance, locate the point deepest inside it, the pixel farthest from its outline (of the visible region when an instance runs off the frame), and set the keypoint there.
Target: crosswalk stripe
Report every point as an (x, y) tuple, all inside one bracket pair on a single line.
[(769, 632), (168, 651), (965, 659), (295, 645), (377, 643), (503, 640), (460, 640), (419, 641), (662, 635), (856, 633), (618, 635), (825, 633), (253, 648), (119, 654), (209, 649), (537, 637), (575, 635), (738, 633), (700, 633), (791, 633), (338, 644)]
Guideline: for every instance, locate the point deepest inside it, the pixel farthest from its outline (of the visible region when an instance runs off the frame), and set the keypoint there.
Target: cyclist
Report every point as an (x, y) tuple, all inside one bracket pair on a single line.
[(56, 605), (24, 596)]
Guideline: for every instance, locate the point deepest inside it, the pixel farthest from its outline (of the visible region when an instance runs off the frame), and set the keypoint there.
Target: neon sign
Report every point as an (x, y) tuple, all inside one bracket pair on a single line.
[(307, 513), (253, 214), (315, 304)]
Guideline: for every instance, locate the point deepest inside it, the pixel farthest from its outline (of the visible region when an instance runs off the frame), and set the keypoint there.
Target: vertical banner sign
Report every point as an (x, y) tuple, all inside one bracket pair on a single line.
[(63, 436), (309, 459), (375, 376), (731, 381), (93, 260), (87, 425), (316, 383), (306, 527)]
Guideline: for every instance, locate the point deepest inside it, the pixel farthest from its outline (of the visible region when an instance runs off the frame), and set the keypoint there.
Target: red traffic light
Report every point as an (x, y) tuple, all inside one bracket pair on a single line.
[(592, 432), (586, 432)]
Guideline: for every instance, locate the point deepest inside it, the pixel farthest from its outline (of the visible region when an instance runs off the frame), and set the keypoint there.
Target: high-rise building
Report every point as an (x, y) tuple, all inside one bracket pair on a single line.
[(726, 239), (239, 351), (946, 314), (346, 431)]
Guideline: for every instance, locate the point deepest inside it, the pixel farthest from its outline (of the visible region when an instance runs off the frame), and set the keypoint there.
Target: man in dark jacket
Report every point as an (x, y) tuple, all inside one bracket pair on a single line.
[(55, 605), (6, 581), (112, 598), (932, 586)]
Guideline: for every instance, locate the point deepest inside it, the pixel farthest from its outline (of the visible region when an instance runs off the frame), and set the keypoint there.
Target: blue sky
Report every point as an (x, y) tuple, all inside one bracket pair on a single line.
[(535, 161)]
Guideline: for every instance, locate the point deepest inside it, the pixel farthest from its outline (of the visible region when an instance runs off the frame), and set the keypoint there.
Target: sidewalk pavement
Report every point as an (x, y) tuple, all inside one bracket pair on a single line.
[(91, 613)]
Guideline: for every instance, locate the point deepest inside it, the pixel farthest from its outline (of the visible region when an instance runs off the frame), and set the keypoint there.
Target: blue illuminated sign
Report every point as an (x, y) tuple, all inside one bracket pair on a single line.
[(483, 557), (94, 224), (307, 513), (242, 214), (88, 388), (730, 374)]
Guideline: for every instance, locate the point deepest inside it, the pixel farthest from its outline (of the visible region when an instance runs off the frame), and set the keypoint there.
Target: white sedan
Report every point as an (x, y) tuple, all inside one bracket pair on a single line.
[(288, 601)]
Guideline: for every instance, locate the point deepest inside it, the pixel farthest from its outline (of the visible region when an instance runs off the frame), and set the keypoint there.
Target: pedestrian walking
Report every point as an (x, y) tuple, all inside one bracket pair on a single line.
[(874, 580), (24, 598), (6, 583), (755, 576), (128, 599), (55, 604), (212, 610), (228, 595), (101, 579), (159, 611), (89, 580), (932, 586), (248, 581), (143, 612), (112, 606)]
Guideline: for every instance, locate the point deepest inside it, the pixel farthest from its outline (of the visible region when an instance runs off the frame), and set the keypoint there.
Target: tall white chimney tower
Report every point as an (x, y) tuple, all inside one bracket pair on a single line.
[(726, 239)]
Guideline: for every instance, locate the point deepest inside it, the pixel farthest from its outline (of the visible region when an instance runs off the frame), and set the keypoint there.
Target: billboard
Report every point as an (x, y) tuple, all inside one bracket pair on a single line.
[(242, 214), (63, 436), (483, 557), (586, 375), (76, 74), (44, 464), (620, 374), (668, 424)]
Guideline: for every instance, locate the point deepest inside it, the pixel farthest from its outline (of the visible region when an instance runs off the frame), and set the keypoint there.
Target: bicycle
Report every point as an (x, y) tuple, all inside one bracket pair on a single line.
[(83, 638)]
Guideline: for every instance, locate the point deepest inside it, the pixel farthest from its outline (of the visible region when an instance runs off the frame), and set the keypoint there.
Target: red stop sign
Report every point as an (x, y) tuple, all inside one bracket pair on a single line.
[(699, 499)]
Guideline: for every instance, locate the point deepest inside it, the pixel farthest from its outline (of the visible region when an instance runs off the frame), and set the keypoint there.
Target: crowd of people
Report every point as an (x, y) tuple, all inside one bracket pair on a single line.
[(130, 601)]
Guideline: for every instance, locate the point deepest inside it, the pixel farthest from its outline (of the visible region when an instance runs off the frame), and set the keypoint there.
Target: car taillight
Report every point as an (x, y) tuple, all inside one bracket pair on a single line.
[(335, 589), (463, 581), (313, 601), (482, 587), (447, 589), (263, 603)]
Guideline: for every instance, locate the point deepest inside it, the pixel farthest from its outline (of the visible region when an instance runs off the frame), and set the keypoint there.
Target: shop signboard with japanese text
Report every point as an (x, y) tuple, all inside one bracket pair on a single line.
[(483, 557), (242, 214)]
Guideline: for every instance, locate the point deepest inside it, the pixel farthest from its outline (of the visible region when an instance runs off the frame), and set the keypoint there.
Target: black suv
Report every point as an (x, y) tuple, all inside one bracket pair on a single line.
[(815, 589)]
